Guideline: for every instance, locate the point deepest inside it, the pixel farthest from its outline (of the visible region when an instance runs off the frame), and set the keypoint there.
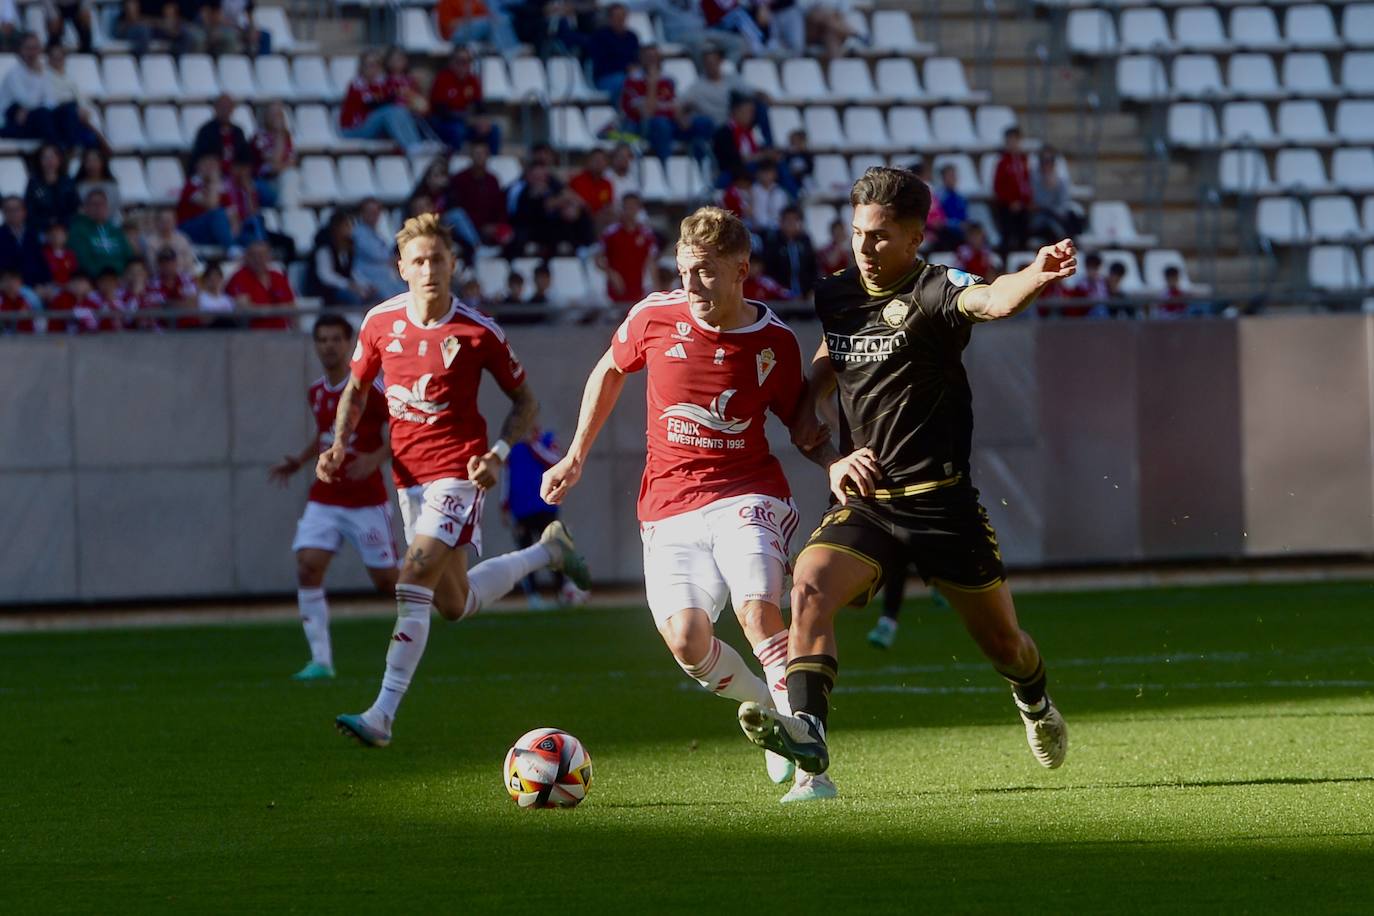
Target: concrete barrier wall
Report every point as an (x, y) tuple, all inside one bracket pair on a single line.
[(136, 467)]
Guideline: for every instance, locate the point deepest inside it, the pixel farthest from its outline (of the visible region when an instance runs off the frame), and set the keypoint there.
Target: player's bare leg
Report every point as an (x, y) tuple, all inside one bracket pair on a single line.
[(311, 565), (989, 615)]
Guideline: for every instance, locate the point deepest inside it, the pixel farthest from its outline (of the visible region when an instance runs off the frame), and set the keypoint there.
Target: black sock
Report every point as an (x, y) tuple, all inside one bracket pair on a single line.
[(809, 679), (1030, 690)]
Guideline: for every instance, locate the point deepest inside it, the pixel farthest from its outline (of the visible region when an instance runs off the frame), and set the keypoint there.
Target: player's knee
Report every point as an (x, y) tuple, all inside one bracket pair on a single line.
[(809, 601), (308, 574), (1004, 647), (450, 610)]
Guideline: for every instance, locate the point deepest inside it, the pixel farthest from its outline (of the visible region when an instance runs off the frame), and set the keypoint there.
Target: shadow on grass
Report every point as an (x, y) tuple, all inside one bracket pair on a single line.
[(1182, 784)]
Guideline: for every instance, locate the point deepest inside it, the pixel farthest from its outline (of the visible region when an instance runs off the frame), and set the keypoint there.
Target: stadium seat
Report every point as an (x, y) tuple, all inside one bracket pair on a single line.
[(505, 167), (1255, 28), (1357, 72), (1357, 26), (851, 81), (898, 80), (1158, 260), (124, 128), (1192, 125), (783, 119), (319, 182), (569, 281), (892, 31), (1197, 76), (682, 71), (84, 71), (944, 80), (863, 162), (128, 173), (1141, 77), (830, 179), (1252, 76), (163, 126), (193, 117), (1300, 169), (1282, 220), (1311, 26), (1304, 122), (342, 69), (568, 81), (653, 181), (313, 128), (642, 25), (14, 176), (528, 80), (804, 82), (493, 275), (1110, 223), (1355, 121), (966, 174), (496, 80), (1092, 33), (685, 180), (952, 126), (301, 226), (1367, 211), (198, 79), (1145, 29), (415, 32), (165, 178), (1367, 262), (568, 128), (1333, 268), (1247, 124), (394, 180), (909, 128), (120, 75), (1308, 74), (1333, 218), (864, 124), (599, 117), (1199, 28), (857, 20), (992, 122), (235, 76), (1353, 169), (1131, 283), (158, 76), (818, 218), (272, 20), (761, 74), (356, 178), (310, 77)]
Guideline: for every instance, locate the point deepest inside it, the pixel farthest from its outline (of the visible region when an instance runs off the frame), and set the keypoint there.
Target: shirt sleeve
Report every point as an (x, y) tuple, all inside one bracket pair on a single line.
[(500, 360), (627, 344), (367, 358), (953, 285), (789, 382)]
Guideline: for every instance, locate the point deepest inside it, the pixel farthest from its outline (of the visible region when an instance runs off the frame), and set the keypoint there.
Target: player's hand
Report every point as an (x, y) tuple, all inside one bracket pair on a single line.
[(809, 432), (1055, 262), (857, 472), (329, 463), (559, 479), (484, 470), (364, 465), (280, 474)]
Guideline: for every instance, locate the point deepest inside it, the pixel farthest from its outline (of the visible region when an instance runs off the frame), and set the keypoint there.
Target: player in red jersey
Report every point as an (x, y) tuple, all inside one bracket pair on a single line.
[(714, 507), (431, 350), (354, 508)]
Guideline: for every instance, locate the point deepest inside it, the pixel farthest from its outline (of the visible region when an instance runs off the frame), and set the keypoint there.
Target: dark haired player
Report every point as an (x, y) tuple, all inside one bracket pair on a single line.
[(895, 328)]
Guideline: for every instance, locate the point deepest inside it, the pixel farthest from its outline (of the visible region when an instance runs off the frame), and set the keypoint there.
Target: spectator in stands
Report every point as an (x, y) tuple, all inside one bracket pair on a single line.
[(627, 251), (12, 299), (223, 35), (739, 197), (538, 200), (1012, 193), (481, 218), (212, 300), (593, 187), (738, 144), (543, 285), (59, 259), (758, 285), (172, 21), (21, 248), (51, 194), (370, 110), (163, 235), (613, 49), (93, 173), (26, 96), (726, 16), (204, 211), (1053, 217), (455, 105), (68, 309), (10, 30), (623, 175), (139, 298), (99, 242), (402, 85), (571, 231), (466, 22), (954, 204), (176, 287), (1116, 275), (58, 13), (244, 204), (797, 164), (974, 256), (515, 289), (332, 267), (1175, 302), (789, 257), (274, 152), (769, 199), (434, 183), (71, 112), (374, 262), (648, 103), (221, 137), (1091, 287), (238, 14), (710, 95), (837, 254), (108, 300), (258, 284)]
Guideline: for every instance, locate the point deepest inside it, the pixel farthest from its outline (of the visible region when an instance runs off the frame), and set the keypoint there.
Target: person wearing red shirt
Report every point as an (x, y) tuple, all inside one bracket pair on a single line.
[(837, 255), (176, 289), (738, 143), (627, 249), (204, 210), (1013, 194), (12, 300), (1175, 303), (60, 259), (455, 104), (370, 110), (648, 103), (257, 284), (759, 285), (69, 311), (114, 311), (715, 510), (481, 217), (140, 297), (432, 351), (356, 508), (974, 256), (592, 185)]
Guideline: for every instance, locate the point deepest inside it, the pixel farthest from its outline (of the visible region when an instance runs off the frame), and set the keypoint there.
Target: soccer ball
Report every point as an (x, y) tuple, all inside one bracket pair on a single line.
[(547, 768)]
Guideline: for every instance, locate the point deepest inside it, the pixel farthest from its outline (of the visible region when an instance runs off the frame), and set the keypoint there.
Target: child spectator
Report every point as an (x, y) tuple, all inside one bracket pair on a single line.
[(12, 300), (69, 312), (140, 298), (543, 284), (769, 199), (974, 256), (1175, 303), (760, 286), (738, 198), (176, 287), (109, 303), (952, 202), (211, 299), (515, 289), (837, 255), (60, 259), (797, 164)]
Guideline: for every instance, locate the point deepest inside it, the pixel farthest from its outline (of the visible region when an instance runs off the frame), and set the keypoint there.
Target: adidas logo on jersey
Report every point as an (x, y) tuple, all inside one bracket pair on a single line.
[(677, 351)]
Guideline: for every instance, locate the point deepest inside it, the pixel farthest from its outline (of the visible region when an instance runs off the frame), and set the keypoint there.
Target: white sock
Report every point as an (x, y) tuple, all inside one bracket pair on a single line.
[(493, 579), (724, 672), (772, 655), (413, 604), (315, 621)]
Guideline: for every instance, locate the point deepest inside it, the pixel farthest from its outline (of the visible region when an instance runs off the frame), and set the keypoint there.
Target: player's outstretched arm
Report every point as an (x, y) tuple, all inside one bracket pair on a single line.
[(352, 400), (280, 473), (1010, 294), (598, 400), (484, 470)]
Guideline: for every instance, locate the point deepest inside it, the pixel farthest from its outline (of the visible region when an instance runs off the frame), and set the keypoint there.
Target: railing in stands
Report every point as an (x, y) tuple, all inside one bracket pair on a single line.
[(985, 45)]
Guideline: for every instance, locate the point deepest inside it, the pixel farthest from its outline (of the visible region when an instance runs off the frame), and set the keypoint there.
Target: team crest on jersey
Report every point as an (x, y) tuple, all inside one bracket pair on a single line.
[(398, 328), (719, 358), (895, 312), (684, 331), (449, 348), (764, 362)]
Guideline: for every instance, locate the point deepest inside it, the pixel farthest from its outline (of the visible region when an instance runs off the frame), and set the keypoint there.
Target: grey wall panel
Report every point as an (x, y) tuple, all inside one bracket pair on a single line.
[(266, 394), (264, 522), (1191, 498), (35, 414), (151, 399), (38, 540), (1087, 417), (1305, 419), (1010, 482), (155, 533), (1001, 365)]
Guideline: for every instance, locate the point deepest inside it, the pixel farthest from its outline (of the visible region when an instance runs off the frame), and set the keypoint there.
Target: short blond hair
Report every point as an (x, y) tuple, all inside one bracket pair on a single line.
[(426, 224), (717, 230)]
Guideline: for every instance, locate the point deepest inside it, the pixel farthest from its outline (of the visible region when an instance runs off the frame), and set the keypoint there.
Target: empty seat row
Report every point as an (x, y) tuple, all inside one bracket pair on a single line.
[(1299, 123), (848, 79), (903, 128), (574, 281), (1247, 171), (1249, 76), (1310, 26), (1285, 221), (1336, 268)]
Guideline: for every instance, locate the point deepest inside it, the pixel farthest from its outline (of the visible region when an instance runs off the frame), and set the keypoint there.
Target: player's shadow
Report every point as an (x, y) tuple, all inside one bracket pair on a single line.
[(1183, 784)]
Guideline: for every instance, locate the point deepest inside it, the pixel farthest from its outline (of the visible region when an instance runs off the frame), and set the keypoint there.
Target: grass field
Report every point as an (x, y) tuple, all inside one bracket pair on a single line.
[(1222, 761)]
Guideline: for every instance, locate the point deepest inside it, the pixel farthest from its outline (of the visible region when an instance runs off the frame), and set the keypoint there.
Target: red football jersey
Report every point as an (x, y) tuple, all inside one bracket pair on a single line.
[(367, 437), (629, 249), (707, 394), (432, 374)]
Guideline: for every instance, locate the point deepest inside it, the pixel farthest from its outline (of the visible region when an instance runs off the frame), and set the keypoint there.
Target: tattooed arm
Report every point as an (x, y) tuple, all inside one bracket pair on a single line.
[(351, 403)]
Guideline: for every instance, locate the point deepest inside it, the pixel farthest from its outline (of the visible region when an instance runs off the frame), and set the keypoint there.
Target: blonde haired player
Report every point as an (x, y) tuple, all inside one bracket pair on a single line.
[(715, 511), (431, 350)]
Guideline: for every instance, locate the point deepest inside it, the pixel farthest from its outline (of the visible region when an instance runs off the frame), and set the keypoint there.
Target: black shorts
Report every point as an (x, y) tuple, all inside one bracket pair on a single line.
[(943, 532)]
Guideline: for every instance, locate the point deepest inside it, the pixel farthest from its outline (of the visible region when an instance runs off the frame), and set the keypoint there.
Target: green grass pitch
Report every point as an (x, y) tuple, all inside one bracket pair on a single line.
[(1221, 761)]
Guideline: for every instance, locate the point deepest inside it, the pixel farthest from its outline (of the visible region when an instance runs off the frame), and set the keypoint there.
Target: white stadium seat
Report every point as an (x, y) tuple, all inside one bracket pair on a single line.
[(865, 125), (761, 74), (1282, 220), (1199, 28), (642, 25), (1357, 25), (493, 275), (1367, 211), (682, 71), (992, 122), (165, 178), (505, 167), (14, 176), (1145, 29), (1256, 28), (319, 183), (803, 81), (818, 218), (235, 75), (653, 180), (599, 117), (1303, 122), (496, 80), (1132, 282), (528, 79), (1300, 170), (416, 33), (567, 80), (120, 75), (1353, 168), (1333, 218), (394, 180), (1141, 77), (685, 179), (953, 128), (850, 80), (163, 125), (1357, 72), (782, 120), (568, 128), (128, 172), (313, 128), (1110, 223), (569, 281), (1244, 171), (1197, 76), (158, 76), (124, 128), (1158, 260), (309, 77), (1092, 33), (1247, 124), (198, 79), (1355, 121), (272, 20), (193, 117), (356, 178), (909, 127), (1367, 262), (1252, 76), (1308, 74), (823, 131), (966, 175), (892, 31), (896, 78), (863, 162), (84, 71), (1311, 26), (944, 80), (342, 69), (1192, 124), (830, 180), (1333, 268), (301, 226)]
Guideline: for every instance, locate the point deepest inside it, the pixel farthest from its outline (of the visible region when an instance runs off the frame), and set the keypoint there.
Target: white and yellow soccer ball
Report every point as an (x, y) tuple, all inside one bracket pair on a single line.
[(547, 768)]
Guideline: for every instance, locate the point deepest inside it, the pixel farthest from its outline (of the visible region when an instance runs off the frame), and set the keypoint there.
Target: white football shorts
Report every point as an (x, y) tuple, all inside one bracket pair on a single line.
[(367, 528), (448, 509), (735, 548)]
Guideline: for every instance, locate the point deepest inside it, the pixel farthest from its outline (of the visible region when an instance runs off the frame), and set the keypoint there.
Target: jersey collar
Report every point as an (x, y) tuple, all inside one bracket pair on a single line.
[(419, 323), (765, 313), (894, 288)]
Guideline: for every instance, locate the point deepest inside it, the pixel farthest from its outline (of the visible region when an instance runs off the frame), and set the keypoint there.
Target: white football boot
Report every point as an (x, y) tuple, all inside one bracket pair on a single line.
[(1046, 732), (811, 787), (800, 738), (780, 769)]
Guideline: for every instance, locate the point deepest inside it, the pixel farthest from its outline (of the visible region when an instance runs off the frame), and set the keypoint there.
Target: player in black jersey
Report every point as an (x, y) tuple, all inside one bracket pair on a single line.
[(895, 329)]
